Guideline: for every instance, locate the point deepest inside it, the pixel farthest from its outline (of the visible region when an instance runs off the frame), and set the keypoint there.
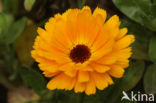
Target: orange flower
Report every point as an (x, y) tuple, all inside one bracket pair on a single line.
[(81, 51)]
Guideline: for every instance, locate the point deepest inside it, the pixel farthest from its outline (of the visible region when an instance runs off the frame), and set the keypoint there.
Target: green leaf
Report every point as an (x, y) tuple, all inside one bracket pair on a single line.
[(139, 11), (140, 53), (126, 101), (33, 79), (129, 80), (150, 79), (134, 74), (61, 96), (5, 22), (92, 99), (16, 30), (152, 49), (10, 6), (28, 4), (10, 30), (81, 3), (23, 45), (153, 8)]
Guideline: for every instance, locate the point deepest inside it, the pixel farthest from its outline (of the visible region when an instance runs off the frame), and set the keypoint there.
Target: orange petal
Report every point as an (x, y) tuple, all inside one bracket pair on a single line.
[(116, 71), (99, 67), (108, 59), (108, 79), (124, 42), (83, 76), (124, 53), (100, 12), (122, 33), (102, 51), (100, 80), (71, 72), (50, 74), (61, 81), (123, 63), (79, 87), (90, 87)]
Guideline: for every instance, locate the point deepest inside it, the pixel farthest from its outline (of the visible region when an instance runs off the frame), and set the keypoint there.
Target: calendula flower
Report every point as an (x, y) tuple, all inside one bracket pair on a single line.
[(82, 51)]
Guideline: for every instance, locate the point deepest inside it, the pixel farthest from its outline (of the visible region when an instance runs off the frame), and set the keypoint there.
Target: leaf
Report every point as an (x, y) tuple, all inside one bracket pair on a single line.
[(153, 8), (10, 6), (10, 30), (0, 5), (134, 74), (126, 101), (139, 11), (152, 49), (28, 4), (5, 22), (140, 53), (81, 3), (140, 46), (92, 99), (33, 79), (16, 30), (23, 44), (129, 80), (150, 79)]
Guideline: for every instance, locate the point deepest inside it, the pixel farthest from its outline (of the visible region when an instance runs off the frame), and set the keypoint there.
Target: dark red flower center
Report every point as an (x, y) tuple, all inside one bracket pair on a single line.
[(80, 54)]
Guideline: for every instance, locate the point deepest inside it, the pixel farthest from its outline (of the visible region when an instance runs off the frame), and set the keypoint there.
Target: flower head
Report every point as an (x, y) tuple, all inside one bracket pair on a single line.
[(82, 51)]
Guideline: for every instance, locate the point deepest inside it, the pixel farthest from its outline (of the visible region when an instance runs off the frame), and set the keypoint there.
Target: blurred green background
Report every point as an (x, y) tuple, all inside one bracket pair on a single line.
[(22, 82)]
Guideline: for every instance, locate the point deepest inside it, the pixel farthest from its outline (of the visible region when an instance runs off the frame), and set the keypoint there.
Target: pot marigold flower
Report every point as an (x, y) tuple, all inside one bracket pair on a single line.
[(82, 51)]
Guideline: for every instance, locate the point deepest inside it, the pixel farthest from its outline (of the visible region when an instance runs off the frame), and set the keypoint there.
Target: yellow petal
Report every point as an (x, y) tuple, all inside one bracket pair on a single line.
[(100, 12), (49, 26), (79, 87), (100, 39), (86, 9), (100, 80), (99, 67), (48, 67), (81, 34), (108, 59), (40, 58), (102, 51), (108, 79), (57, 33), (71, 72), (116, 71), (50, 74), (123, 63), (124, 42), (113, 22), (122, 33), (112, 26), (123, 54), (83, 76), (55, 56), (90, 87), (61, 81)]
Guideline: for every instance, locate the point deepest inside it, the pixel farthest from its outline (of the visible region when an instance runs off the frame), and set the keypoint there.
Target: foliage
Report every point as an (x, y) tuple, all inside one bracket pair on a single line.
[(32, 78)]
